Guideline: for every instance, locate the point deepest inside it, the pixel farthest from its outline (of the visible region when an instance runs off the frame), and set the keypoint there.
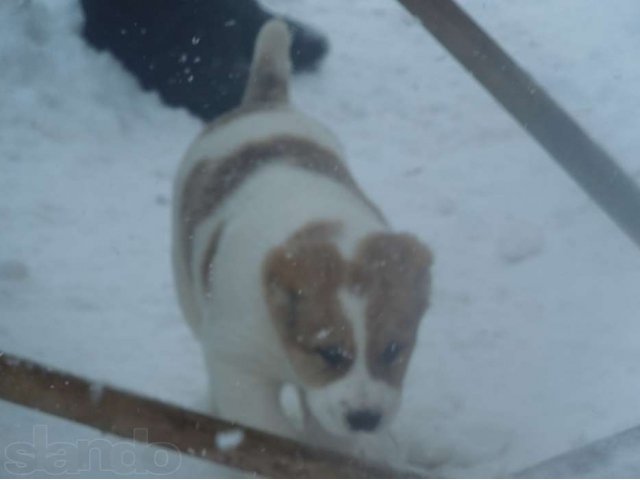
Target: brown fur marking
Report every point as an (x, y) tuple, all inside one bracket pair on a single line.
[(319, 231), (392, 271), (301, 281)]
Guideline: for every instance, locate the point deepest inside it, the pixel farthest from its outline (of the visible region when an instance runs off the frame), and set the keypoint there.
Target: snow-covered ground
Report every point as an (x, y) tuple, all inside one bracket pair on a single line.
[(531, 347)]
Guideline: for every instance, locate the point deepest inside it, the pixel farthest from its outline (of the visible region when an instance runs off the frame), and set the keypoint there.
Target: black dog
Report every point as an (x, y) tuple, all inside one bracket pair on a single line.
[(194, 53)]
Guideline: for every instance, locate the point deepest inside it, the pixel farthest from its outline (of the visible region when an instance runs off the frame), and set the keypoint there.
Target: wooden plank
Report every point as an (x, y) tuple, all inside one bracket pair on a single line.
[(585, 161), (121, 413)]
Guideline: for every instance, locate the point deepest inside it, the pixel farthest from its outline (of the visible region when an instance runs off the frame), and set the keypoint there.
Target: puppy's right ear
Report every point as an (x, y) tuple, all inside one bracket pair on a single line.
[(394, 268)]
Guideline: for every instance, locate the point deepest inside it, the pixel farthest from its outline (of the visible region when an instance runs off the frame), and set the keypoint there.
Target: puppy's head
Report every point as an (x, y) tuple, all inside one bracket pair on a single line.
[(348, 325)]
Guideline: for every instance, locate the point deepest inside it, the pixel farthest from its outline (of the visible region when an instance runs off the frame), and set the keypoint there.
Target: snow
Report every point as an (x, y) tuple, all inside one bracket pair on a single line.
[(530, 348), (520, 243), (13, 271), (36, 445), (322, 333), (291, 405), (229, 440)]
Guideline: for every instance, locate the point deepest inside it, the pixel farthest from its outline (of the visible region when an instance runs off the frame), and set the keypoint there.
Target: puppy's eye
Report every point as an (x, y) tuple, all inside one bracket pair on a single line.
[(391, 353), (335, 357)]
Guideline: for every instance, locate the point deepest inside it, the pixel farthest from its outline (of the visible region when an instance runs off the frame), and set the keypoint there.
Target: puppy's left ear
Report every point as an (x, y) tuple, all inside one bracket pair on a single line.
[(395, 266), (299, 274)]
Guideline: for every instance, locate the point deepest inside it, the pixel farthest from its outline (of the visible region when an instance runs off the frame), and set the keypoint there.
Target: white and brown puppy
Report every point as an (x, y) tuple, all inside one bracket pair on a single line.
[(286, 272)]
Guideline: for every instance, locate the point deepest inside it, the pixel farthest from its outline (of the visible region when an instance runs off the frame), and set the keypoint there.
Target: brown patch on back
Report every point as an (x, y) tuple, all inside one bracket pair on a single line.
[(210, 182), (392, 271), (301, 281)]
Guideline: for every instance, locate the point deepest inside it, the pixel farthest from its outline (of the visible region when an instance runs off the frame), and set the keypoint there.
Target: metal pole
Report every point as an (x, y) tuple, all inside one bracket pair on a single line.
[(611, 457), (567, 143)]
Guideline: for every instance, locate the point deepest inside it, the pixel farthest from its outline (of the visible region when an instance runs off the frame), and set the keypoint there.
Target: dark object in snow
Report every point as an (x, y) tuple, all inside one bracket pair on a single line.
[(194, 53)]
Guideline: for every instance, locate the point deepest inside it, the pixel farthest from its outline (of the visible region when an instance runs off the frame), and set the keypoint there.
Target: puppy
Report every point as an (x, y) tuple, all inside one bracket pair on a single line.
[(286, 272)]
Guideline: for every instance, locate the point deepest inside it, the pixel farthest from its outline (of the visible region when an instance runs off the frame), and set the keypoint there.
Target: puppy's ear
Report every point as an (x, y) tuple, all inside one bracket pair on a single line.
[(392, 271), (300, 271), (309, 267), (394, 266), (301, 283)]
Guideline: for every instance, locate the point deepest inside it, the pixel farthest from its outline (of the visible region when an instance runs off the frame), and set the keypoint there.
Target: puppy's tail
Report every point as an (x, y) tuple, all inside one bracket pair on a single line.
[(271, 65)]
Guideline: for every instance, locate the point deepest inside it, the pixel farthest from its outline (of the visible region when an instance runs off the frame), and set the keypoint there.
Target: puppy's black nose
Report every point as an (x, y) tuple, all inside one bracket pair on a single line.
[(363, 420)]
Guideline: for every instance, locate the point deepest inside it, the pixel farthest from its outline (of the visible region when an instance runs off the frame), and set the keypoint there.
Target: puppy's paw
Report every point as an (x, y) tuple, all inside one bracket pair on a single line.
[(292, 408), (382, 449)]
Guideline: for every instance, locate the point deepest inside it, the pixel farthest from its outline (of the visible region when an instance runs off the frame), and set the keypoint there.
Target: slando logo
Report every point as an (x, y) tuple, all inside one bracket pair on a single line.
[(95, 455)]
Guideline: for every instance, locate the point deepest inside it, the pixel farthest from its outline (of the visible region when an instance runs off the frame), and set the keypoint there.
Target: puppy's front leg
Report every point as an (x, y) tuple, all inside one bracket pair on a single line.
[(241, 396)]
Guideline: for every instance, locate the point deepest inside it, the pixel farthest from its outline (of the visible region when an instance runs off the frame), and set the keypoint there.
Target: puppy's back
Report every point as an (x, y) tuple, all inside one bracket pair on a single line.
[(202, 182), (263, 132)]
